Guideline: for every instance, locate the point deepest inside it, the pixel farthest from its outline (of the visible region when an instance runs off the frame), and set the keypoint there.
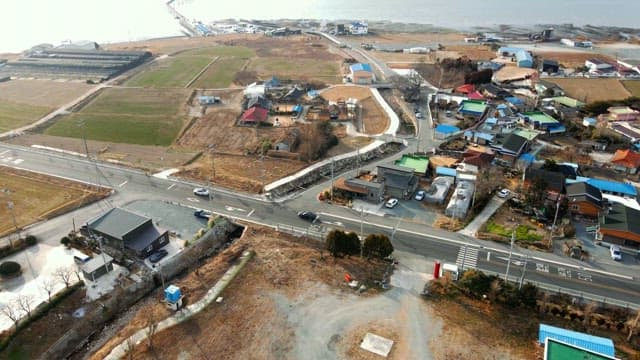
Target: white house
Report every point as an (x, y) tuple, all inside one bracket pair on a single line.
[(359, 28), (597, 65)]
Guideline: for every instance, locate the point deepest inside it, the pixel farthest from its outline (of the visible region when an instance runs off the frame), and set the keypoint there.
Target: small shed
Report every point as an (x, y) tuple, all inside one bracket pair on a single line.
[(596, 344), (444, 131), (445, 171), (98, 266)]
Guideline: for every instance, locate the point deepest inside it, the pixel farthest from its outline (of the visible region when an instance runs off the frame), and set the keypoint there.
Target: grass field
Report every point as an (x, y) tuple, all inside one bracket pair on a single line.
[(14, 115), (36, 195), (589, 90), (178, 70), (220, 74), (133, 116), (296, 68), (633, 86)]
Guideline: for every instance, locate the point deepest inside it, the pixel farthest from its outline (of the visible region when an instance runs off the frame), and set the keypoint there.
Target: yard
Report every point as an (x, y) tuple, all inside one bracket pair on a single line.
[(589, 90), (507, 221), (38, 197), (134, 116), (375, 120), (633, 86)]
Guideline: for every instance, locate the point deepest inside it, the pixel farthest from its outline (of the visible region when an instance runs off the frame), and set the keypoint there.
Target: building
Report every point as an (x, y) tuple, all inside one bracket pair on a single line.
[(628, 131), (418, 163), (543, 122), (621, 113), (208, 100), (584, 199), (626, 161), (555, 181), (474, 108), (494, 66), (599, 345), (360, 189), (547, 88), (493, 91), (96, 267), (549, 66), (461, 199), (128, 232), (254, 115), (399, 181), (595, 65), (477, 158), (567, 102), (258, 101), (630, 64), (620, 226), (612, 187), (439, 189), (524, 59), (361, 74), (444, 131), (559, 350), (359, 28), (510, 150)]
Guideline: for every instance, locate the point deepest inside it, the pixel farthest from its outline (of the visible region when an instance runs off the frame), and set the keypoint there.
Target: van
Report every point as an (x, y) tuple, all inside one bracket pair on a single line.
[(80, 257)]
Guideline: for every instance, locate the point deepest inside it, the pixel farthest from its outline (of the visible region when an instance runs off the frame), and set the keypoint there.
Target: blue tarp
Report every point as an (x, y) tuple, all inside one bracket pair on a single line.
[(445, 171), (313, 93), (596, 344), (514, 100), (447, 129), (528, 158), (297, 108), (361, 67)]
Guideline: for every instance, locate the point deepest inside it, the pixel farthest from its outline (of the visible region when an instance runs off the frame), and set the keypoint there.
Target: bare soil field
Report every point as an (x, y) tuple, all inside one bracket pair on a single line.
[(633, 86), (589, 90), (38, 197), (45, 93), (573, 58), (395, 57), (173, 45), (375, 119), (473, 52), (413, 38)]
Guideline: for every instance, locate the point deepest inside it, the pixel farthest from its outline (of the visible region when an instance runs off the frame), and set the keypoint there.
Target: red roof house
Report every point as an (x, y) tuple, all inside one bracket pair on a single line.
[(465, 89), (475, 95), (254, 114), (477, 158), (626, 160)]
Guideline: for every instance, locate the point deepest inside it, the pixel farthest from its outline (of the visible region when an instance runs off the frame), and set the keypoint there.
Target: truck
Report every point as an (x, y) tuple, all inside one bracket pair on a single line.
[(450, 270)]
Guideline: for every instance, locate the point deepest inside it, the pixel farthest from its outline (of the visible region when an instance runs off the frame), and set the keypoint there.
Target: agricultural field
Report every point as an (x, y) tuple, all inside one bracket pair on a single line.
[(589, 90), (134, 116), (633, 86), (572, 59), (297, 68), (179, 69), (220, 74), (38, 197), (15, 115)]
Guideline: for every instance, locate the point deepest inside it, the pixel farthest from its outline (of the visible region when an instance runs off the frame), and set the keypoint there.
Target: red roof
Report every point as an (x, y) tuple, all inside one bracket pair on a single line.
[(465, 89), (254, 114), (475, 96), (477, 158), (626, 158)]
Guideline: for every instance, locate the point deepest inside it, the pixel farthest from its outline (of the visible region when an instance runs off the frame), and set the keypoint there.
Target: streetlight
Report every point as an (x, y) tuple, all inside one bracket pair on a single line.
[(513, 239)]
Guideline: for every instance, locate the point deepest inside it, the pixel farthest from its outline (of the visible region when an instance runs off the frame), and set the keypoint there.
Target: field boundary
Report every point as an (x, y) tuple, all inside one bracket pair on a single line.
[(197, 76)]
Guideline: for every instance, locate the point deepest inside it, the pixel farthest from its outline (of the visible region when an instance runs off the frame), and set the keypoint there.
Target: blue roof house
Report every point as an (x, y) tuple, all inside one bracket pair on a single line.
[(597, 344), (524, 59), (444, 131)]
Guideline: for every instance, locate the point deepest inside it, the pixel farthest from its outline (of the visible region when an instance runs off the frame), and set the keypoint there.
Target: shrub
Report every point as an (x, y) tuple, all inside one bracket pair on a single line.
[(65, 241), (569, 231), (377, 245), (9, 268), (31, 240)]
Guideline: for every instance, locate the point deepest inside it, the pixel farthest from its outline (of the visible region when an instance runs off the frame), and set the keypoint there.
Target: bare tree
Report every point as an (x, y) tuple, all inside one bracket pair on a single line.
[(64, 274), (76, 270), (151, 326), (10, 310), (48, 284), (588, 311), (633, 325), (129, 347), (25, 302)]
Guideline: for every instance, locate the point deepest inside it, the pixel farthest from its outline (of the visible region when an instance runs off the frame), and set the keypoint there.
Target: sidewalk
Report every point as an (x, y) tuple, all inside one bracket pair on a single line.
[(492, 206)]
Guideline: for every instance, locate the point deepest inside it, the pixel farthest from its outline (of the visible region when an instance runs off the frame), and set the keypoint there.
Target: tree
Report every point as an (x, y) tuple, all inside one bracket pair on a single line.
[(378, 246), (489, 179), (633, 325), (10, 310), (151, 326), (31, 240), (64, 274), (479, 77), (65, 241), (48, 285), (332, 242), (351, 243), (25, 302), (536, 192), (10, 268)]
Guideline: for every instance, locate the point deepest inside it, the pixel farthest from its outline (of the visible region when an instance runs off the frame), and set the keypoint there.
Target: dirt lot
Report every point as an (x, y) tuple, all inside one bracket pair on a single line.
[(413, 38), (589, 90), (633, 86), (45, 93), (374, 118), (573, 58), (473, 52), (38, 197), (175, 44)]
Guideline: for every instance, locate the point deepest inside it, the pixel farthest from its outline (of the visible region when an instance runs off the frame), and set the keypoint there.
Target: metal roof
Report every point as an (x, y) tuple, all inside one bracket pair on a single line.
[(447, 129), (621, 218), (361, 67), (97, 262), (613, 186), (445, 171), (558, 350), (597, 344), (117, 222)]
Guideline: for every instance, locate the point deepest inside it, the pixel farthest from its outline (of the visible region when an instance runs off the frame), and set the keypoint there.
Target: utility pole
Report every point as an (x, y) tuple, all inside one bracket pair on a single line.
[(331, 190), (10, 206), (361, 231), (211, 148), (357, 162), (513, 239), (524, 269)]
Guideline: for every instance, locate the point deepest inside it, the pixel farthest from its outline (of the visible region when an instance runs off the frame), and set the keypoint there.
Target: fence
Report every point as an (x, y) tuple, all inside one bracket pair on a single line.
[(317, 233)]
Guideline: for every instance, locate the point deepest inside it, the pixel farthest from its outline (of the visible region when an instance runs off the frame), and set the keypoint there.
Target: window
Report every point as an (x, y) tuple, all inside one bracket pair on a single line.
[(575, 207)]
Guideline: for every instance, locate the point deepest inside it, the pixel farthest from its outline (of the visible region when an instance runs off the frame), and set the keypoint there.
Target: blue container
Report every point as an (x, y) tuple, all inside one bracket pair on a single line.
[(172, 294)]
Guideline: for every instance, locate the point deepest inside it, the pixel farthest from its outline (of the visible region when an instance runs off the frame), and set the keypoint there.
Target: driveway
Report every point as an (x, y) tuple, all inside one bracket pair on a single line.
[(492, 206), (406, 210), (176, 218)]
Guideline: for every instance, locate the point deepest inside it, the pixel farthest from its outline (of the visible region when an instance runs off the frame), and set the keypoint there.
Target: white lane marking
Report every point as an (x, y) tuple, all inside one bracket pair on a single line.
[(252, 211), (18, 161), (4, 152), (123, 183), (231, 208), (171, 186), (193, 200), (336, 223)]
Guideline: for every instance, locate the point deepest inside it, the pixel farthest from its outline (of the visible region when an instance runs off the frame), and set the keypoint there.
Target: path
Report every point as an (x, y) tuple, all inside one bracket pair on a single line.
[(492, 206), (197, 76)]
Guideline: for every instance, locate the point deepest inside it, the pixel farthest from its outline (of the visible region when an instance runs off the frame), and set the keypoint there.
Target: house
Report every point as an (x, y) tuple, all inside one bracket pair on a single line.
[(465, 89), (360, 189), (254, 115), (97, 266), (361, 74), (597, 344), (418, 163), (289, 142), (128, 232), (620, 226), (547, 88), (633, 65), (511, 148), (630, 132), (555, 181), (254, 89), (589, 122), (359, 28), (439, 189), (493, 91), (293, 95), (444, 131), (541, 121), (524, 59), (479, 137), (494, 66), (399, 181), (560, 350), (475, 108), (584, 199), (208, 100), (461, 199), (477, 158), (567, 102), (626, 161), (621, 113), (549, 66), (595, 65), (258, 101), (611, 187)]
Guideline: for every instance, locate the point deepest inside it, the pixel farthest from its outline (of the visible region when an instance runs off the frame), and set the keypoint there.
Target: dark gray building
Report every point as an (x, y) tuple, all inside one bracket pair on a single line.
[(361, 189), (399, 181), (128, 232), (97, 266)]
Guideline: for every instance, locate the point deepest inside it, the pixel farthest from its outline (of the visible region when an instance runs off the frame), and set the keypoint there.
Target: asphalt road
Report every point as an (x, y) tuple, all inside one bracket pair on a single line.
[(129, 185)]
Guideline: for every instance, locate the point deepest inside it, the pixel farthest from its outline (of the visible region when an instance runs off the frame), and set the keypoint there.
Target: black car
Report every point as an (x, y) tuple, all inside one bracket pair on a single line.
[(202, 214), (158, 255), (308, 215)]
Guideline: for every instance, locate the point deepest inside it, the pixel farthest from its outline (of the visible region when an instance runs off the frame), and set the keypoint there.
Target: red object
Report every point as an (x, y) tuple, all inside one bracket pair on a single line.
[(347, 277), (465, 89), (626, 158), (475, 96), (436, 270), (255, 114)]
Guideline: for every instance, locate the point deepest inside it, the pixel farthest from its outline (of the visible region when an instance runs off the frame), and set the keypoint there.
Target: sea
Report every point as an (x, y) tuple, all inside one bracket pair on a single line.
[(30, 22)]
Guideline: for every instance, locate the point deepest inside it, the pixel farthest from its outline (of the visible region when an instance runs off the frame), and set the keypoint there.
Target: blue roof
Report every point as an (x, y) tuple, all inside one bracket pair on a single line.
[(556, 128), (484, 136), (613, 186), (441, 170), (590, 120), (514, 100), (596, 344), (636, 146), (447, 129), (361, 67), (523, 56), (313, 93), (528, 158), (501, 106), (492, 120), (510, 50)]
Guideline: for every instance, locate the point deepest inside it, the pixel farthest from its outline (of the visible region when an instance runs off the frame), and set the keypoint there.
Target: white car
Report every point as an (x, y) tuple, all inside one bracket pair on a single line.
[(504, 193), (420, 195), (616, 254), (201, 191), (391, 203)]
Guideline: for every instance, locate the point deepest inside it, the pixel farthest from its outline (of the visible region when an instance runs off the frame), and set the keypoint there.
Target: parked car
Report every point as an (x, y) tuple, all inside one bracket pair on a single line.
[(308, 215), (503, 193), (202, 214), (391, 203), (201, 191), (449, 113), (158, 255), (420, 195), (616, 253)]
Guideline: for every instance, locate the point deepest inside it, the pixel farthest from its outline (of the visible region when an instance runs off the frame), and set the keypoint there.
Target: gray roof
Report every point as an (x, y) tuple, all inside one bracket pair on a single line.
[(366, 184), (582, 188), (144, 239), (117, 222), (398, 181), (621, 218), (96, 262), (514, 143), (396, 168)]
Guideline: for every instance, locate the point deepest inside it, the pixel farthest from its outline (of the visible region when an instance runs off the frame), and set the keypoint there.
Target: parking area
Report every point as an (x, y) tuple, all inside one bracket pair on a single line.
[(598, 254), (173, 217), (409, 210)]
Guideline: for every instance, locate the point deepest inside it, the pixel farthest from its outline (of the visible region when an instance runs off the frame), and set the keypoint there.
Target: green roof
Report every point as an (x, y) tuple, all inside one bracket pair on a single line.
[(475, 106), (556, 350), (538, 116), (526, 133), (419, 164), (621, 110), (567, 101)]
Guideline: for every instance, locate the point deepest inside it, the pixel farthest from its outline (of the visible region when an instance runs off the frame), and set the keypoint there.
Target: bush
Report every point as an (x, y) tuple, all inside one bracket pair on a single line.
[(65, 241), (31, 240), (377, 245), (9, 268), (569, 231)]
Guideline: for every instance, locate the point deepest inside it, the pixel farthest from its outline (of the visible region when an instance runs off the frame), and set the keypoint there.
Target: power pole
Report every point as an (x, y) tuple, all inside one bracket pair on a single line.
[(513, 239), (211, 148), (361, 231), (331, 191), (524, 269)]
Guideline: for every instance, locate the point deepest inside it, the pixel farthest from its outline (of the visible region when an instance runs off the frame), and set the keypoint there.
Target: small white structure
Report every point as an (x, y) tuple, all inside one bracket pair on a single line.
[(254, 90), (359, 28), (597, 64), (377, 344)]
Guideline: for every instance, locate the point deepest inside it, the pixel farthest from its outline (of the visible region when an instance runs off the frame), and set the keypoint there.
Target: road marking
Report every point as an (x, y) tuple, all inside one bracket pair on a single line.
[(231, 208), (18, 161), (251, 212), (171, 186), (335, 223), (4, 152), (542, 267), (123, 183), (193, 200), (467, 257), (585, 277)]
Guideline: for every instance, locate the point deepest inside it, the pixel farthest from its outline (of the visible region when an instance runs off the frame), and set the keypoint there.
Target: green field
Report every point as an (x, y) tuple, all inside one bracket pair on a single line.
[(327, 71), (133, 116), (633, 86), (178, 70), (220, 74), (14, 115)]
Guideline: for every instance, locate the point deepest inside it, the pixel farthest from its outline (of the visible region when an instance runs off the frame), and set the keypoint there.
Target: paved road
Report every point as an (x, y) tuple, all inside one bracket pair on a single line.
[(129, 185)]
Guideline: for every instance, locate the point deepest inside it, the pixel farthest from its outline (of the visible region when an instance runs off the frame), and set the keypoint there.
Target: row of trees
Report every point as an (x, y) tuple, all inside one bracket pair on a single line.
[(341, 243)]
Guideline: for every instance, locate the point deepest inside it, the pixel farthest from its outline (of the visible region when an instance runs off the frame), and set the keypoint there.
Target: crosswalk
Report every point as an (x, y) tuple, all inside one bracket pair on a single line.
[(7, 158), (467, 257)]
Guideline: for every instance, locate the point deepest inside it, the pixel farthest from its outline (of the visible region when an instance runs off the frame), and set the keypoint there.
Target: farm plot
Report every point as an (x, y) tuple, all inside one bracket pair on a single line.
[(43, 93), (297, 68), (633, 86), (375, 120), (589, 90), (135, 116), (14, 115), (220, 74)]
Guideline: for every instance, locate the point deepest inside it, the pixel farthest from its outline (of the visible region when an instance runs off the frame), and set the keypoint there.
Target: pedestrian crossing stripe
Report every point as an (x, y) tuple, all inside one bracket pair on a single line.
[(467, 257)]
